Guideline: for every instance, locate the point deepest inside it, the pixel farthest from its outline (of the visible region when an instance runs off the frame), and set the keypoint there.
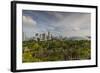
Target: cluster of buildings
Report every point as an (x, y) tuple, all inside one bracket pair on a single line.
[(40, 37), (43, 36)]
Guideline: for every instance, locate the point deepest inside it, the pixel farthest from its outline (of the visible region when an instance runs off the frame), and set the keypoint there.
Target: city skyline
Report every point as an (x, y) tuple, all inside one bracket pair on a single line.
[(50, 36), (66, 24)]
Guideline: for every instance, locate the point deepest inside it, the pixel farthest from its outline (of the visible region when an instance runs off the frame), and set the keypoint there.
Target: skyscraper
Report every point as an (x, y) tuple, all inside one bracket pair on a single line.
[(48, 36)]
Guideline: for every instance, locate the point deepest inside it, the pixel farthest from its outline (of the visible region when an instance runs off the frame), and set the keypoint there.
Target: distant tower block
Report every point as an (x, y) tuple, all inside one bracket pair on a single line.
[(43, 36), (48, 36)]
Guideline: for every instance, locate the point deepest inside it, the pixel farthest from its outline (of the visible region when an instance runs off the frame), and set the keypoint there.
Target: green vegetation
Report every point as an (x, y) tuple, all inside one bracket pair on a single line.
[(56, 50)]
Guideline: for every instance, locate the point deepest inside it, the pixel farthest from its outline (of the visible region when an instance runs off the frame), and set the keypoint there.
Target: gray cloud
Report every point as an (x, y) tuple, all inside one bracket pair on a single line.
[(75, 25)]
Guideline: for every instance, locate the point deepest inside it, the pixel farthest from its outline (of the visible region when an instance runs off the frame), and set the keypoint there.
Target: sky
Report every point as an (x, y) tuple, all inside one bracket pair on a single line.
[(66, 24)]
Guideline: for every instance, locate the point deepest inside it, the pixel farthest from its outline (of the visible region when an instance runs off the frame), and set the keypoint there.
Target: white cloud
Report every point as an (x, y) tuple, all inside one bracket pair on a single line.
[(28, 21)]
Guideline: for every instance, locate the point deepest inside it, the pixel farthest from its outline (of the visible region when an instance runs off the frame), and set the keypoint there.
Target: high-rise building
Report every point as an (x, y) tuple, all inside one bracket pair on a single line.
[(48, 36), (43, 36)]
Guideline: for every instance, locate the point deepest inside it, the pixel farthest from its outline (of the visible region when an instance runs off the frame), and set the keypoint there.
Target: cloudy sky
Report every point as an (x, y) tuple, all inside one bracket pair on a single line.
[(67, 24)]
